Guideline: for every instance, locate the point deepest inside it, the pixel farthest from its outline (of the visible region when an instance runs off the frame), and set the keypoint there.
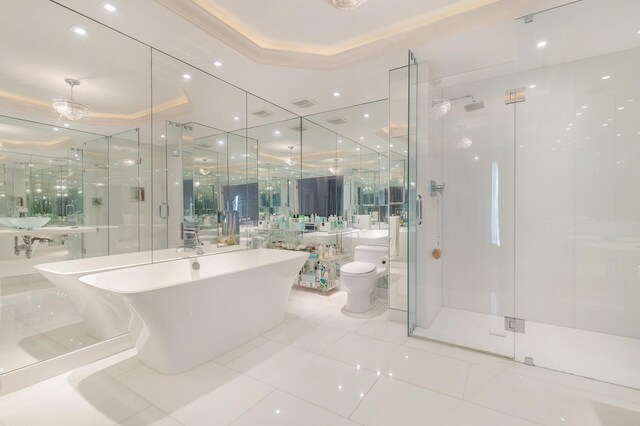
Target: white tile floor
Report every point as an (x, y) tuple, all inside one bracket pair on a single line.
[(324, 367), (37, 322), (601, 356)]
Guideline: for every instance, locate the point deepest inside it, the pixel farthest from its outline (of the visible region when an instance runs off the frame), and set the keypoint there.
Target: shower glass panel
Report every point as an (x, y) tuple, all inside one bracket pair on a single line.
[(464, 292), (578, 204)]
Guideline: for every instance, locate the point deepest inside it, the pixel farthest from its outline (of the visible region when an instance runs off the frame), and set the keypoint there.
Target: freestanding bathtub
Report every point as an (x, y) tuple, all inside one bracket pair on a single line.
[(189, 316), (106, 315)]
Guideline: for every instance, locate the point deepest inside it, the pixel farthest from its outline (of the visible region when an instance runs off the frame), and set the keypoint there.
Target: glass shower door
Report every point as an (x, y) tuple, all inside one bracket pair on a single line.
[(462, 254)]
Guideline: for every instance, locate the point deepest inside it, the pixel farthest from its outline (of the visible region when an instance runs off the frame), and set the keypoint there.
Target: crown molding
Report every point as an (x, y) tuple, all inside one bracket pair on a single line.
[(424, 29)]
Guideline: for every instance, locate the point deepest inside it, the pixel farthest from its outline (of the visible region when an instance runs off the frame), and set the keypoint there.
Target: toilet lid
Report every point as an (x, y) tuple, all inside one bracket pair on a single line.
[(358, 268)]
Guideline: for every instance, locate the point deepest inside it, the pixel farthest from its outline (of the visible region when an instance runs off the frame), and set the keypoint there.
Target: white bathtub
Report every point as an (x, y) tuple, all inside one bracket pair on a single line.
[(104, 315), (191, 316)]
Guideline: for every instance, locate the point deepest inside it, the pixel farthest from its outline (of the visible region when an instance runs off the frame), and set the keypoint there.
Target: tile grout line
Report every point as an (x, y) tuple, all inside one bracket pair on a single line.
[(273, 389)]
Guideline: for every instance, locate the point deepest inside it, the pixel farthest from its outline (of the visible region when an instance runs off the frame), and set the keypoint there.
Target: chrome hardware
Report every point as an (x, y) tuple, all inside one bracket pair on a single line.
[(419, 209), (435, 188), (163, 211), (515, 96), (514, 324)]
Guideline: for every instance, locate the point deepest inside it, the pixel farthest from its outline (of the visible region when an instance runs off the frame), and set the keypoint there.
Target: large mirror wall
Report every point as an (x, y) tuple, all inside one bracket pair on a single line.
[(164, 147)]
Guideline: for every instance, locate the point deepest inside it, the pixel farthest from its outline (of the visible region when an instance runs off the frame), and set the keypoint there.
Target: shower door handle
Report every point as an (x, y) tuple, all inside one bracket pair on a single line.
[(419, 209)]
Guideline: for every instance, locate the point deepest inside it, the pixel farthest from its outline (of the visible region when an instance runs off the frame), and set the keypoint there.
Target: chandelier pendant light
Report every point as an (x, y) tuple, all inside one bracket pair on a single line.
[(346, 4), (290, 160), (68, 108)]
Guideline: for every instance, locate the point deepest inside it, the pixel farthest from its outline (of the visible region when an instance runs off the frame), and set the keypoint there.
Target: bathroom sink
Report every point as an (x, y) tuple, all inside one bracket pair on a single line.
[(24, 222)]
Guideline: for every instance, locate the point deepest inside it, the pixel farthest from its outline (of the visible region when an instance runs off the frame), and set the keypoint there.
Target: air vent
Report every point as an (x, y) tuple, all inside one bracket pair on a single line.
[(262, 113), (299, 128), (336, 120), (304, 103)]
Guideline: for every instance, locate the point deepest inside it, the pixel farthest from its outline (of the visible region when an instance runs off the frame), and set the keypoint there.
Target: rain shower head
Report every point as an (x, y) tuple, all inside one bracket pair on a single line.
[(442, 106), (474, 105)]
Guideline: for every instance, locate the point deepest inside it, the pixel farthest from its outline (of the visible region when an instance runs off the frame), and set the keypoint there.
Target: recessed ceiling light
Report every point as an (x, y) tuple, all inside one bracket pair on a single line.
[(78, 30), (568, 129), (585, 106), (619, 134), (217, 64), (366, 115), (606, 77), (220, 142), (336, 94), (276, 132), (476, 158), (109, 7), (67, 125), (620, 108), (186, 76), (391, 145), (609, 119), (236, 118), (377, 146), (533, 86), (361, 138), (358, 149), (605, 124), (339, 140), (55, 129), (162, 136), (541, 44), (578, 113)]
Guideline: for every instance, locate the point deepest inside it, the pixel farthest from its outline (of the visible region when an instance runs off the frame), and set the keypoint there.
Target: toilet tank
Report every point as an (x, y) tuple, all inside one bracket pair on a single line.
[(372, 254)]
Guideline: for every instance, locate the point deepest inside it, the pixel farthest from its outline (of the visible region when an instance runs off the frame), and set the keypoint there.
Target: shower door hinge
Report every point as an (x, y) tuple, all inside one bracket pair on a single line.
[(528, 18), (514, 324), (514, 96)]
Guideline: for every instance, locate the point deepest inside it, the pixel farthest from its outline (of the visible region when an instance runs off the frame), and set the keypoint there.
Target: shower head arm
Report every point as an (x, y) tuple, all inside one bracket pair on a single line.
[(473, 99)]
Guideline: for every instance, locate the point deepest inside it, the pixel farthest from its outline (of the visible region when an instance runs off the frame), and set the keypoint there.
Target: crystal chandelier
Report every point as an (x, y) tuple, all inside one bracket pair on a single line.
[(68, 108), (346, 4), (290, 160)]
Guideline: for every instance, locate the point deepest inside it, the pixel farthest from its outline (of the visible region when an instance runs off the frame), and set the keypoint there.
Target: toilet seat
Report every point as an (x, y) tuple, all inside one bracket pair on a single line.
[(358, 268)]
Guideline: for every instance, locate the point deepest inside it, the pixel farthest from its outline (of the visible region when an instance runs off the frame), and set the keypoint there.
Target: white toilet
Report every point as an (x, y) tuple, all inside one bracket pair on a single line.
[(358, 278)]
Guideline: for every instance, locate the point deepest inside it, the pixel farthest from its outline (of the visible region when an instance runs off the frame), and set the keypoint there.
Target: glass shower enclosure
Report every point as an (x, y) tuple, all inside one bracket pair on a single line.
[(530, 197)]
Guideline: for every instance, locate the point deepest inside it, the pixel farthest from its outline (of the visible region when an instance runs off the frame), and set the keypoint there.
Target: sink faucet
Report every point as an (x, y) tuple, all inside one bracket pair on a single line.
[(190, 238)]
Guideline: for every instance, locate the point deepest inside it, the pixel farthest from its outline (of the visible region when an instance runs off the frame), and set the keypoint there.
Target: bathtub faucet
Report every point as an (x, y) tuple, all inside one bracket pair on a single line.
[(190, 237)]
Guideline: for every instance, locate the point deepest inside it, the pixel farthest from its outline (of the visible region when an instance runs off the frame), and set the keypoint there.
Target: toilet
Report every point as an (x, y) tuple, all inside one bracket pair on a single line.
[(358, 278)]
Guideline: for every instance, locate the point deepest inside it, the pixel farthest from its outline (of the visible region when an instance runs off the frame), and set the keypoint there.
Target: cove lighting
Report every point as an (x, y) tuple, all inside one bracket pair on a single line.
[(541, 44)]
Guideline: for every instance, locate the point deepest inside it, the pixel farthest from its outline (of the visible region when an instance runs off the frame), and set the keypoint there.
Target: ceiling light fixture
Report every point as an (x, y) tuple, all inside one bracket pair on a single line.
[(217, 64), (109, 7), (290, 160), (186, 76), (606, 77), (346, 4), (541, 44), (533, 86), (366, 115), (336, 94), (68, 108)]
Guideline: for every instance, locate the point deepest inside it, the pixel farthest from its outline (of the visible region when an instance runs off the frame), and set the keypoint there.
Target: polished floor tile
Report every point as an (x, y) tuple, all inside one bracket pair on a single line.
[(150, 417), (429, 370), (97, 400), (305, 335), (281, 409), (322, 370), (208, 394), (544, 402), (394, 402), (331, 384)]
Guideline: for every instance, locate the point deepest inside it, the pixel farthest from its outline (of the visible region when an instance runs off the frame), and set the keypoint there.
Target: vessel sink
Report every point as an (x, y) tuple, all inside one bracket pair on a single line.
[(24, 222)]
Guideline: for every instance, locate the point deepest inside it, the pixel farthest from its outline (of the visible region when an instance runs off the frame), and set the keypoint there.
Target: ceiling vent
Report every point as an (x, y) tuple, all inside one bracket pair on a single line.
[(305, 103), (299, 128), (336, 120), (262, 113)]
